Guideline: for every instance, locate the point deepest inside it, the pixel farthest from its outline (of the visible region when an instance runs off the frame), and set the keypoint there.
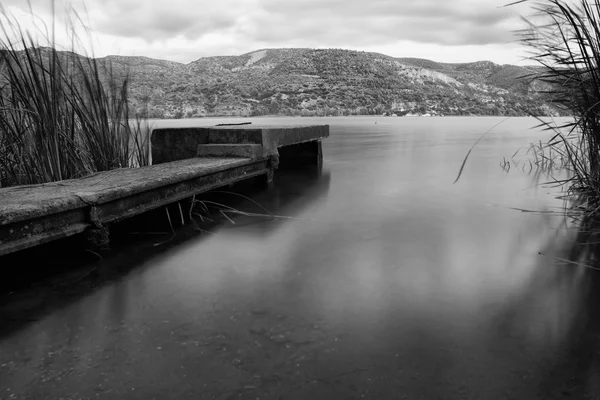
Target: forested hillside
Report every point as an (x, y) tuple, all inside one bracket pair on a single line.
[(329, 82)]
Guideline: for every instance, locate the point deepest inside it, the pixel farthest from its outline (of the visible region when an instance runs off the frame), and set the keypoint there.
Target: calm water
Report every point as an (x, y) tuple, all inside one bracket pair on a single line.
[(386, 280)]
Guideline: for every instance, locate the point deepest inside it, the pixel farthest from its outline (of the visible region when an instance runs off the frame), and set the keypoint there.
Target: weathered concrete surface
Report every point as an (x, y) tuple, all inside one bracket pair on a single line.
[(97, 237), (270, 137), (253, 151), (35, 214), (30, 201), (242, 134), (15, 238), (172, 144), (136, 203), (169, 144), (20, 203)]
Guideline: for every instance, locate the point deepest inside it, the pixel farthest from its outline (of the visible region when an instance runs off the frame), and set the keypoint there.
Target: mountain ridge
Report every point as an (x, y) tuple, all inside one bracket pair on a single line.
[(304, 81)]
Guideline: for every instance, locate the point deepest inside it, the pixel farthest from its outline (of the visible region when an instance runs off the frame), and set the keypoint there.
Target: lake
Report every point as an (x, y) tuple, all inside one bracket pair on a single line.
[(381, 278)]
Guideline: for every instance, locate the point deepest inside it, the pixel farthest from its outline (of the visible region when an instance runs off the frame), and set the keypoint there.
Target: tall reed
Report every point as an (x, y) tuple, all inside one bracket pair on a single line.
[(62, 115), (565, 41)]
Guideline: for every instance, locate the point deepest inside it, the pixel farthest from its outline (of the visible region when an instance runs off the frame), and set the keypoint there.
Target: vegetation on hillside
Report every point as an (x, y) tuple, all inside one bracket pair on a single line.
[(329, 82), (62, 115)]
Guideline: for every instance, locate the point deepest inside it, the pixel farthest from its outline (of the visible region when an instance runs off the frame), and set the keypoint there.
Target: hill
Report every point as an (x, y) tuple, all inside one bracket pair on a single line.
[(328, 82)]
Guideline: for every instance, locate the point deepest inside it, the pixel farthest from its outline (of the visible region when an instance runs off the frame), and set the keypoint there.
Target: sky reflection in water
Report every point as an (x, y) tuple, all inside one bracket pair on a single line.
[(404, 271)]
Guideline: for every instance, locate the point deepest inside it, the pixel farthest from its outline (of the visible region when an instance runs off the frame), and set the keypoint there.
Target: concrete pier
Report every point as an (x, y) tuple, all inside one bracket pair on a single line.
[(187, 161), (249, 141)]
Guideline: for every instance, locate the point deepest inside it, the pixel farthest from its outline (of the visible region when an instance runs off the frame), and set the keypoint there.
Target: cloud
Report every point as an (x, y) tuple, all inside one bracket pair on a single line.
[(181, 28), (426, 21), (162, 20)]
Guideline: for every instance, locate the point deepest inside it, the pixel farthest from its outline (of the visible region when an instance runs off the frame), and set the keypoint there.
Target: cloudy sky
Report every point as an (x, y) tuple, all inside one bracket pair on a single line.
[(185, 30)]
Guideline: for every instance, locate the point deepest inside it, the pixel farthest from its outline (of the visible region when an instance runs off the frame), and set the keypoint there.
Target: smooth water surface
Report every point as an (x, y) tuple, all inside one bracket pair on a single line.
[(383, 279)]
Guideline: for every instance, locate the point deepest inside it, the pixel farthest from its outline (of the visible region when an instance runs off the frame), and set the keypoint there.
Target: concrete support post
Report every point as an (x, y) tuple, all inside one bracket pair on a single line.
[(97, 238), (266, 180), (319, 154)]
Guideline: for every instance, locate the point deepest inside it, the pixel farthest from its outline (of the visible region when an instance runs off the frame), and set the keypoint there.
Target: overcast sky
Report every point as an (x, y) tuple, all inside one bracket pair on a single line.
[(185, 30)]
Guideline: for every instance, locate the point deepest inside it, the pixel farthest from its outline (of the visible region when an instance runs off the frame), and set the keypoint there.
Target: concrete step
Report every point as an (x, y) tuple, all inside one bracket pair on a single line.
[(253, 151)]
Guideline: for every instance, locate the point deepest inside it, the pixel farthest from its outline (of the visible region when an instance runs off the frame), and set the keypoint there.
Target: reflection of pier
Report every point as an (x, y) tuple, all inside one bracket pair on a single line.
[(187, 161), (292, 192)]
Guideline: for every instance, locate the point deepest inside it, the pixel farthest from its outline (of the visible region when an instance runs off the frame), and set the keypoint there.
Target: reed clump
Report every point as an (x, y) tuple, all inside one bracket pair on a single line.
[(564, 39), (62, 115)]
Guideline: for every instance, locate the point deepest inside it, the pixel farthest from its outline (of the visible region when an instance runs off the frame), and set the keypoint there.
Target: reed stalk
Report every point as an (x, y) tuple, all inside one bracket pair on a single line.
[(564, 39), (62, 115)]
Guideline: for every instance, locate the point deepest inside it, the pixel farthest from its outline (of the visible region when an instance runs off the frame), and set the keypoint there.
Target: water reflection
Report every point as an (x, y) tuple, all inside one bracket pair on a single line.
[(387, 280), (293, 192)]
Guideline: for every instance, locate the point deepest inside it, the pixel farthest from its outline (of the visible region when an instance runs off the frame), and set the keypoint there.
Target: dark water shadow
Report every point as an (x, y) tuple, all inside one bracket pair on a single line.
[(567, 279), (39, 281), (572, 266), (291, 193)]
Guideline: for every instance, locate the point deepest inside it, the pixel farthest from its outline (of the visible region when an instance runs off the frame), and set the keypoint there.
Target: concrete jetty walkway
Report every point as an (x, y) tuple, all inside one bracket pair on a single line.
[(186, 161)]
